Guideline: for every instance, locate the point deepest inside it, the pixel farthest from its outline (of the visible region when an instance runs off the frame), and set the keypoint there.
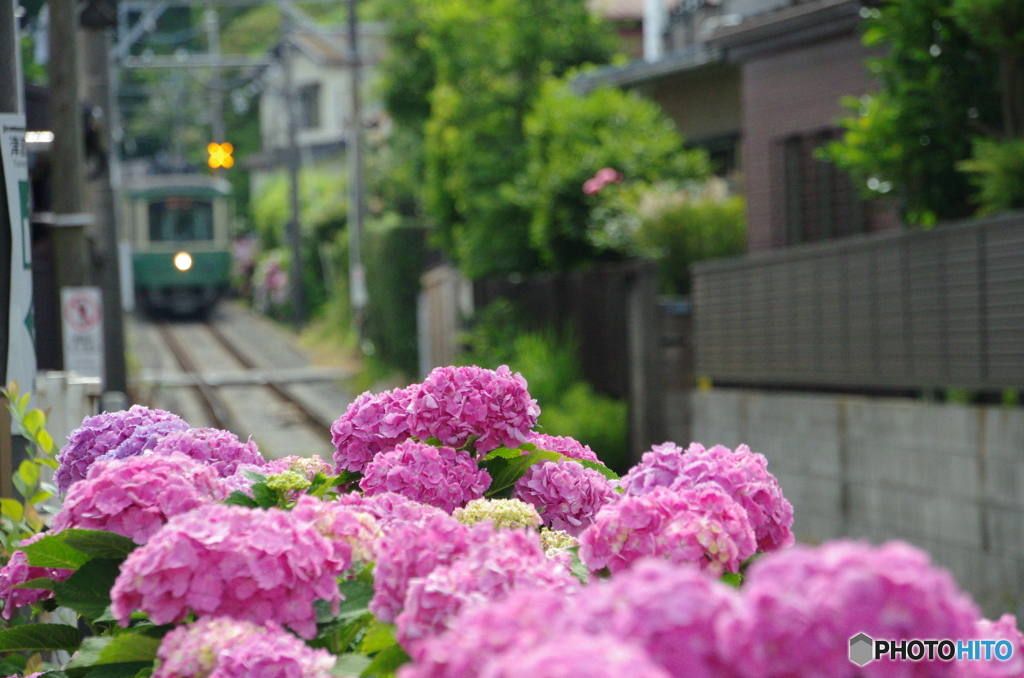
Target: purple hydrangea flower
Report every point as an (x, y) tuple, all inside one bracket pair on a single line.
[(743, 474), (439, 476), (566, 495), (454, 404), (112, 435), (700, 525), (231, 561), (564, 445), (136, 497), (672, 611), (221, 647), (802, 605), (577, 656), (372, 424), (490, 570), (18, 571), (220, 449)]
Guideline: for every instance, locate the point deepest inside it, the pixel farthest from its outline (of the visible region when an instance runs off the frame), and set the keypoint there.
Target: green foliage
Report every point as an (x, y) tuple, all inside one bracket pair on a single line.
[(593, 418), (938, 91), (39, 637), (997, 171), (395, 256), (569, 138), (679, 228)]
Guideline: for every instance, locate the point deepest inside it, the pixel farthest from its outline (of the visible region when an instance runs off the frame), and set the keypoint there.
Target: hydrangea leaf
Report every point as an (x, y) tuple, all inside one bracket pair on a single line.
[(350, 665), (39, 638), (386, 662), (239, 498), (37, 583), (119, 670), (87, 591), (51, 551), (505, 471), (379, 636), (578, 569), (98, 544), (115, 652), (357, 597)]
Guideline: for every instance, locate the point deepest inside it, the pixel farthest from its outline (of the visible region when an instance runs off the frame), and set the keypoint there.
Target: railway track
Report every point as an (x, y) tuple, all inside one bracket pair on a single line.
[(209, 385)]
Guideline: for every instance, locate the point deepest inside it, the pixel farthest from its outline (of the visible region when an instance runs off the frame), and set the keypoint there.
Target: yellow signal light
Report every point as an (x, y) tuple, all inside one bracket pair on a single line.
[(220, 155)]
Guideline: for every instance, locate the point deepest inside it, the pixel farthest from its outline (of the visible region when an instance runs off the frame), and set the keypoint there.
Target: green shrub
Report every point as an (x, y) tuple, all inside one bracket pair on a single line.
[(594, 419), (997, 172)]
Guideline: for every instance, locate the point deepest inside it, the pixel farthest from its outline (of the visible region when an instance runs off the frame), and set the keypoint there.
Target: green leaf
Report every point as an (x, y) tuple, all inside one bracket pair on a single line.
[(34, 421), (99, 544), (506, 471), (87, 591), (46, 461), (357, 597), (350, 665), (733, 579), (39, 637), (255, 477), (51, 551), (379, 636), (12, 508), (119, 670), (264, 496), (40, 496), (386, 662), (37, 583), (577, 568), (29, 473), (45, 441), (599, 467), (20, 485), (239, 498)]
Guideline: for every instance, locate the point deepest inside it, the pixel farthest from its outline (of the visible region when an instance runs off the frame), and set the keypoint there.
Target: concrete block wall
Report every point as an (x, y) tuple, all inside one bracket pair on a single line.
[(947, 478)]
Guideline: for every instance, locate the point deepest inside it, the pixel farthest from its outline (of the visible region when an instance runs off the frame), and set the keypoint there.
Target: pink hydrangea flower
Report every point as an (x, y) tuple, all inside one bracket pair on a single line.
[(566, 495), (743, 474), (479, 634), (439, 476), (113, 435), (1004, 628), (564, 445), (18, 571), (802, 605), (700, 525), (414, 549), (353, 534), (136, 497), (372, 424), (220, 449), (220, 647), (231, 561), (672, 611), (577, 656), (389, 508), (456, 403), (507, 560), (307, 467)]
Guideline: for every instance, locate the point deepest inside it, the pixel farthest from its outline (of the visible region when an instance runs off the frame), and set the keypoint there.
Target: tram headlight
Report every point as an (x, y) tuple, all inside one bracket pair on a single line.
[(182, 261)]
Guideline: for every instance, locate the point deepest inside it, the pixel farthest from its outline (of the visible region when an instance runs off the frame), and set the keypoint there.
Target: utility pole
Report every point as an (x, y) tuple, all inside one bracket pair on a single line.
[(294, 232), (357, 274), (212, 24), (96, 45)]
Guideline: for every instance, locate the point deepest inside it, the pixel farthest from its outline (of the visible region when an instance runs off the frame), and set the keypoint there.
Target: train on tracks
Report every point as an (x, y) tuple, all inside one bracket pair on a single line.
[(179, 227)]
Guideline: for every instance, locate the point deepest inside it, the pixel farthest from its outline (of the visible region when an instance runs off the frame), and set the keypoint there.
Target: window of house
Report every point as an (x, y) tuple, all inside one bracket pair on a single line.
[(820, 201), (309, 106)]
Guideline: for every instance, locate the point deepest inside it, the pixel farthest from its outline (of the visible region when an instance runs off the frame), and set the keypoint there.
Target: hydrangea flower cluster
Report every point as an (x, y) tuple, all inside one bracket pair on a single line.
[(802, 605), (247, 564), (563, 445), (700, 525), (577, 656), (18, 571), (439, 476), (220, 647), (456, 404), (372, 424), (501, 513), (353, 534), (389, 508), (1004, 628), (222, 450), (112, 435), (742, 474), (136, 497), (567, 495)]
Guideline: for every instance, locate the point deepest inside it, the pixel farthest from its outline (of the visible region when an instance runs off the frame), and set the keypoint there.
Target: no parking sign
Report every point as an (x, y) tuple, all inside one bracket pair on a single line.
[(82, 321)]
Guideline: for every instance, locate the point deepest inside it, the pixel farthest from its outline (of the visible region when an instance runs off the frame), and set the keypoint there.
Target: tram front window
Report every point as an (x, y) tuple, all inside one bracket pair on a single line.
[(179, 219)]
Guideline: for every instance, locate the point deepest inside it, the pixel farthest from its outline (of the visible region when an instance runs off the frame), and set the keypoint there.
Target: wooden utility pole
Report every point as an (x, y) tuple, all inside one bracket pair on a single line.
[(294, 230), (354, 151)]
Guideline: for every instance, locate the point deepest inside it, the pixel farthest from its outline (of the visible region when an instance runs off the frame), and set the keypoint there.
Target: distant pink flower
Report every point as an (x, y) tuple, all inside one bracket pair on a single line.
[(372, 424), (489, 571), (112, 435), (604, 176), (136, 497), (802, 605), (566, 495), (455, 404), (439, 476), (249, 564), (742, 474), (701, 525), (220, 449), (1004, 628), (221, 647), (18, 571), (564, 445), (577, 656)]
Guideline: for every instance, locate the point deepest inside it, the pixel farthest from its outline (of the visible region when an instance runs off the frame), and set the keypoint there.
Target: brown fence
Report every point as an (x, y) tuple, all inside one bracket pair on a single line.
[(920, 309)]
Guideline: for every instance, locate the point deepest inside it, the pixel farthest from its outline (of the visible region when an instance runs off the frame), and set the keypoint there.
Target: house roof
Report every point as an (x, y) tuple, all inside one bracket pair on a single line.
[(330, 47), (623, 10), (635, 72), (800, 23)]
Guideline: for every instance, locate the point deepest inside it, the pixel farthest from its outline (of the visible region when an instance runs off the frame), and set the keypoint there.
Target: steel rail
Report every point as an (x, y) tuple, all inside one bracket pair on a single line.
[(211, 401)]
